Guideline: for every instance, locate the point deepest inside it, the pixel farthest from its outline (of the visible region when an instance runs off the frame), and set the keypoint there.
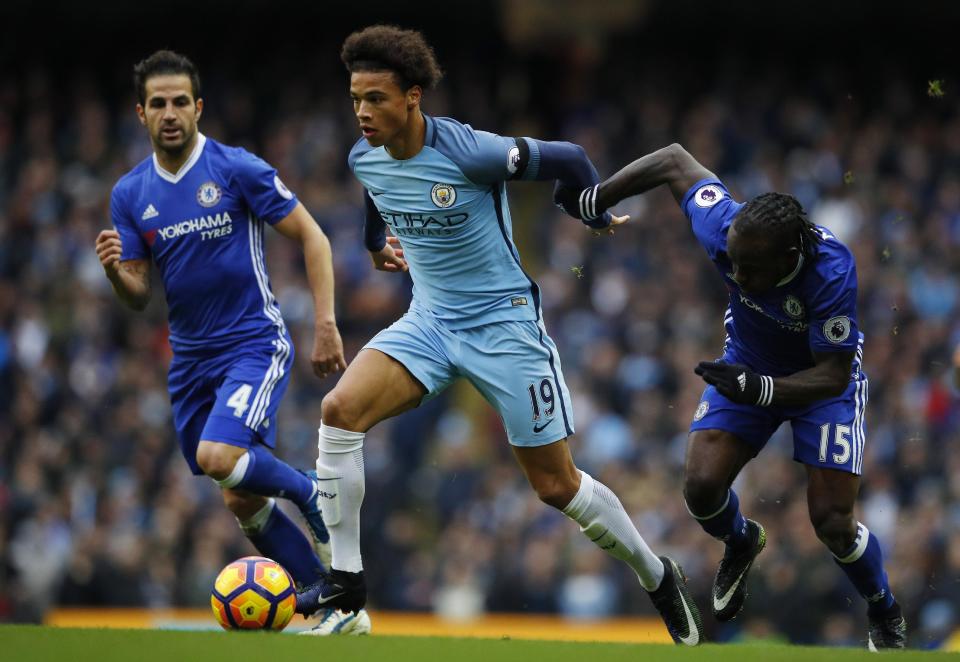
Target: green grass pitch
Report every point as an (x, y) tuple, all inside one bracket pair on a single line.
[(37, 643)]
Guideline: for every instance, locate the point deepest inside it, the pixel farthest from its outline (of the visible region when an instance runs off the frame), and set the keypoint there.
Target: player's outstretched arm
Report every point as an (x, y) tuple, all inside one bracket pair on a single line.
[(671, 165), (827, 379), (327, 357), (130, 278)]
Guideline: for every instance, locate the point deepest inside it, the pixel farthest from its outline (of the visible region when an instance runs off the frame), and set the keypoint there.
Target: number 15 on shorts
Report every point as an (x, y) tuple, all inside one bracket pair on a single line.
[(841, 443)]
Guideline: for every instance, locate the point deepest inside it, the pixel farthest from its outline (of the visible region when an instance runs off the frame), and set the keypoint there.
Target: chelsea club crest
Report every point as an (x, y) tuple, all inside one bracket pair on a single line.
[(443, 195), (209, 194), (793, 307)]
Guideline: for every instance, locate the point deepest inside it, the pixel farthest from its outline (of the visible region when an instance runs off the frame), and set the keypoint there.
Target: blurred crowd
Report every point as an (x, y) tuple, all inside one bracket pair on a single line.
[(98, 508)]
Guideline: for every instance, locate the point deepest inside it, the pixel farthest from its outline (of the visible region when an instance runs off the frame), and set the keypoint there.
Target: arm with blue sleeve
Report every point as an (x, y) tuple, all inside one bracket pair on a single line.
[(487, 158), (571, 168), (374, 227), (386, 252)]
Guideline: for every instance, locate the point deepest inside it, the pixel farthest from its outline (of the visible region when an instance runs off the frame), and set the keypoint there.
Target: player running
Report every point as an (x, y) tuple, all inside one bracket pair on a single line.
[(440, 187), (198, 209), (793, 353)]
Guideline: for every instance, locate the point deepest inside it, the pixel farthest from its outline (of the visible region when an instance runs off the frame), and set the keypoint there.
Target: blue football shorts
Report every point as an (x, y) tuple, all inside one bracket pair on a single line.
[(514, 365), (231, 397), (828, 434)]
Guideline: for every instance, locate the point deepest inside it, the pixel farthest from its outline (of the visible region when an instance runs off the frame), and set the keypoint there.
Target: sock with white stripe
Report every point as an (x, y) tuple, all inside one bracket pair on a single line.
[(603, 520), (278, 538), (727, 524), (258, 471), (340, 468), (863, 564)]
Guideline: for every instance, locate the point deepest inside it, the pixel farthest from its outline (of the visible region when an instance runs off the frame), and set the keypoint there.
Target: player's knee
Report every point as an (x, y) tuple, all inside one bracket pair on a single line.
[(555, 490), (243, 505), (215, 460), (338, 412), (704, 493), (836, 528)]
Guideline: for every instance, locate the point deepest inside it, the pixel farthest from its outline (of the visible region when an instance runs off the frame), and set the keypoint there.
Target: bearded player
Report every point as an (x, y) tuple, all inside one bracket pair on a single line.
[(197, 209)]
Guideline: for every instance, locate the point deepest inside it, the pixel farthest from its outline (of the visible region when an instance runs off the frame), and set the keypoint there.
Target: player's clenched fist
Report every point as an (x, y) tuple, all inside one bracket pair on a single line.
[(109, 250)]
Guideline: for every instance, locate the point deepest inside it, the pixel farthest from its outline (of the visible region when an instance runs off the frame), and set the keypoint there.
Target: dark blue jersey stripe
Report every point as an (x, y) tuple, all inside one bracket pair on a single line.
[(497, 192)]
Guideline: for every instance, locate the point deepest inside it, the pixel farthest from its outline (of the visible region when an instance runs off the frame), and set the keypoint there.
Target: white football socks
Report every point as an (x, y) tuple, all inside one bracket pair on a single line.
[(340, 469), (603, 520)]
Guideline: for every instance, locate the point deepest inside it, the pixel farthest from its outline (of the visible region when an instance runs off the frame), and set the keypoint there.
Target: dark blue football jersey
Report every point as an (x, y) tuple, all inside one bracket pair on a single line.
[(814, 309), (203, 227)]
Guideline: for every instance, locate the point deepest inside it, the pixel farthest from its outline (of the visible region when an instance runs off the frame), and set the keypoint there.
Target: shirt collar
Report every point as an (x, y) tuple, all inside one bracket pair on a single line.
[(187, 165)]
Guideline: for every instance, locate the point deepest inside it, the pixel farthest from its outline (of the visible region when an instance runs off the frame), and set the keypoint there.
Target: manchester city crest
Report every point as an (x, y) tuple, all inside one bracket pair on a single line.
[(209, 194), (443, 195), (793, 307)]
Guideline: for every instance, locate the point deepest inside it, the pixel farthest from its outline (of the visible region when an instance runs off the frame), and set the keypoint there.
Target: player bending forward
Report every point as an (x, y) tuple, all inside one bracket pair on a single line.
[(793, 353), (198, 208), (440, 187)]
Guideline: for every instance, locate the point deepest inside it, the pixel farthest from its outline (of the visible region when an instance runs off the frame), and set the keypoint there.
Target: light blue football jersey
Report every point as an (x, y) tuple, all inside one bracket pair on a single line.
[(203, 227), (448, 206), (813, 310)]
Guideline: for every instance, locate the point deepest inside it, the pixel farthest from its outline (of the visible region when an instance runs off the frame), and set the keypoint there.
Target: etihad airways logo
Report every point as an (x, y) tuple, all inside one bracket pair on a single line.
[(209, 227)]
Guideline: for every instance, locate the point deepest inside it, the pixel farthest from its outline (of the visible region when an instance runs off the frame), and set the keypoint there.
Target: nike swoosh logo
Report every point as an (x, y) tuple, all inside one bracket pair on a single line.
[(722, 603), (539, 428), (693, 635), (324, 600)]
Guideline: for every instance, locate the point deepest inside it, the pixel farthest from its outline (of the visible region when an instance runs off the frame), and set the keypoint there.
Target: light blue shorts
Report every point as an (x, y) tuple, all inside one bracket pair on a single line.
[(514, 365)]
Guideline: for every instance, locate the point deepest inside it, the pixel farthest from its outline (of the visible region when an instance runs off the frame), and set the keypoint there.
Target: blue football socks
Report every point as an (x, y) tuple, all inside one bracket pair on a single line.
[(278, 538), (268, 476), (726, 524), (863, 564)]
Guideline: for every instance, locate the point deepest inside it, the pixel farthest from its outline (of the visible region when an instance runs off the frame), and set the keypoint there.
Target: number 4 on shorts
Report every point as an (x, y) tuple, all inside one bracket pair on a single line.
[(238, 401)]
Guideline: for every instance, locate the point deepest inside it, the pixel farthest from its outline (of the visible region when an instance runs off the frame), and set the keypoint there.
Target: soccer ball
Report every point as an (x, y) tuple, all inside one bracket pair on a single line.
[(253, 593)]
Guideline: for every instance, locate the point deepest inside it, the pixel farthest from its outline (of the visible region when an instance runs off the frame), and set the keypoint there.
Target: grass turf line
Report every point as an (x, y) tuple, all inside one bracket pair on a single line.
[(38, 643)]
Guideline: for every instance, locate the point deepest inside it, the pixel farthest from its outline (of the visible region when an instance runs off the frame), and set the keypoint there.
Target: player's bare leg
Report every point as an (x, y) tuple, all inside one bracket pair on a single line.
[(374, 387), (555, 478), (714, 459), (831, 495)]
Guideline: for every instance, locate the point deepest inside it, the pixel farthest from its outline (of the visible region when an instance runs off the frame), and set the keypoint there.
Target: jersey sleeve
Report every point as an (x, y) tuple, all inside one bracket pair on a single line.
[(487, 158), (374, 227), (262, 188), (711, 209), (833, 310), (134, 247)]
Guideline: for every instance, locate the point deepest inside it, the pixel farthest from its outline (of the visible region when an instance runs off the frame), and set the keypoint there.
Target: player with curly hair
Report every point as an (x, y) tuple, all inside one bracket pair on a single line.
[(440, 187), (793, 353)]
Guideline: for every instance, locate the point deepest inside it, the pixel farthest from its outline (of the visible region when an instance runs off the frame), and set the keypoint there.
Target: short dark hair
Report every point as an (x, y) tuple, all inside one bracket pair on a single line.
[(163, 63), (781, 217), (390, 48)]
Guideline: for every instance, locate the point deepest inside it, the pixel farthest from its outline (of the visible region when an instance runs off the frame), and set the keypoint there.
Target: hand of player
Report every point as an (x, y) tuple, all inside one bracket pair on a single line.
[(571, 201), (737, 382), (109, 249), (327, 357), (614, 222), (390, 257)]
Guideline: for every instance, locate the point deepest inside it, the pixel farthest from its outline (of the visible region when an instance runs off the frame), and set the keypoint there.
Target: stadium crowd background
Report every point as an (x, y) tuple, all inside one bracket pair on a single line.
[(98, 508)]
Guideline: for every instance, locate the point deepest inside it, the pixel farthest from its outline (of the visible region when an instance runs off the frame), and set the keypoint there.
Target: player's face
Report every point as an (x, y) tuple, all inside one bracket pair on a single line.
[(759, 263), (170, 112), (382, 107)]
